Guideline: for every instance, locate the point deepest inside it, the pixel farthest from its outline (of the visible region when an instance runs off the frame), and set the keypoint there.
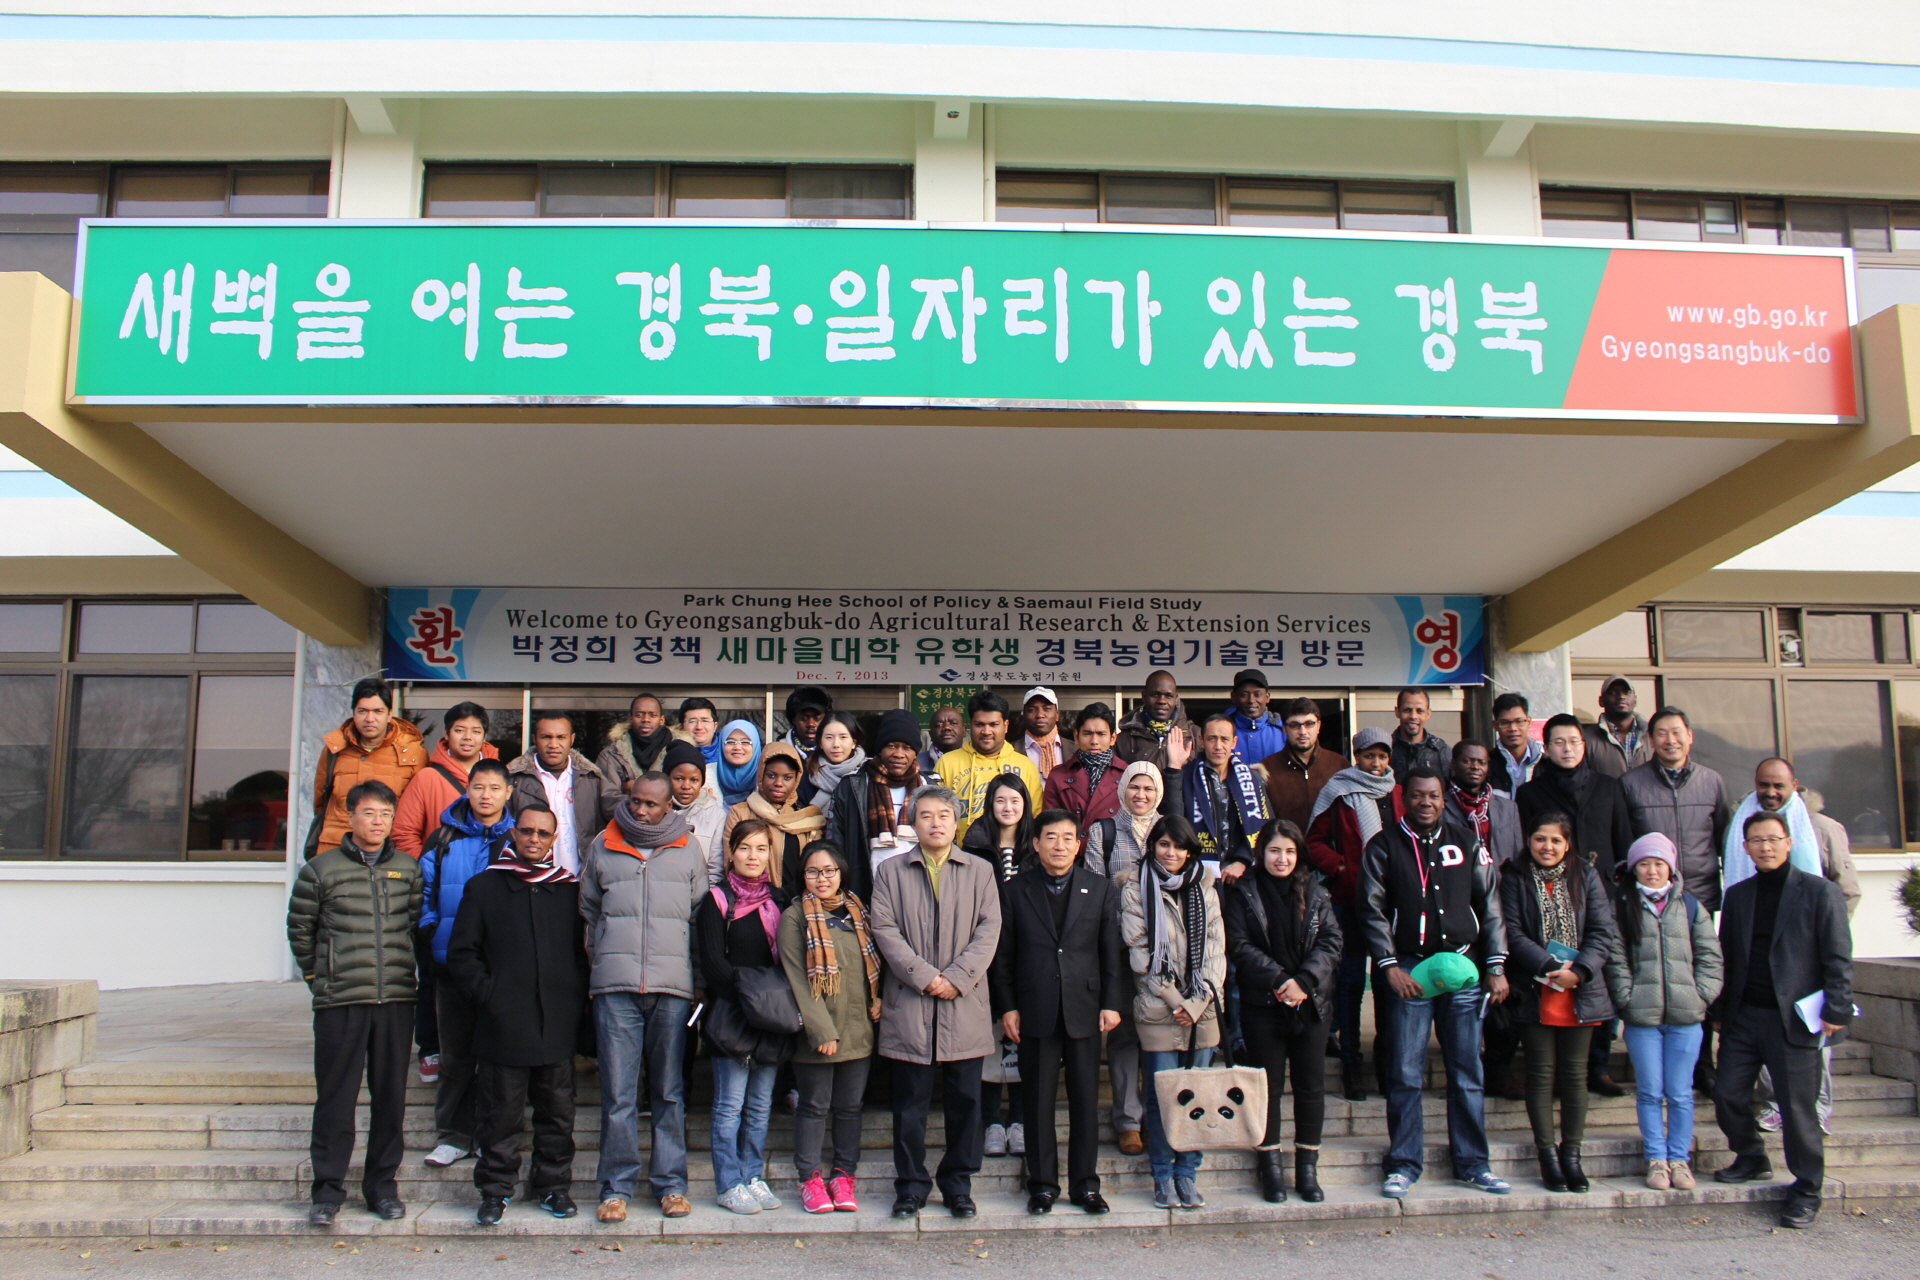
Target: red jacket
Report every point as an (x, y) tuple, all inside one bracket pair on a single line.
[(428, 796), (1334, 848), (1067, 789)]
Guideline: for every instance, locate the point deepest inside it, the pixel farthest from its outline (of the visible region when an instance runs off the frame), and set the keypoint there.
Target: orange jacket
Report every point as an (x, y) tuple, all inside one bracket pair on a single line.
[(428, 796), (400, 755)]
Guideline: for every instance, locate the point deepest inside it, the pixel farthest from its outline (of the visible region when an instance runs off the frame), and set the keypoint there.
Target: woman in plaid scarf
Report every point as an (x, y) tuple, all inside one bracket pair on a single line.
[(834, 970)]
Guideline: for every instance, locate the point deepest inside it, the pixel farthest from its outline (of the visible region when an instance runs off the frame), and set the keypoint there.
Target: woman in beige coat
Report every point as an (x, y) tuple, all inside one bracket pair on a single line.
[(1164, 904)]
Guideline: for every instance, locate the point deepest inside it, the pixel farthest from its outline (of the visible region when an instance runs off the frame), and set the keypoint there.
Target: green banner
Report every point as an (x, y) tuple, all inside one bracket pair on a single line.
[(676, 312)]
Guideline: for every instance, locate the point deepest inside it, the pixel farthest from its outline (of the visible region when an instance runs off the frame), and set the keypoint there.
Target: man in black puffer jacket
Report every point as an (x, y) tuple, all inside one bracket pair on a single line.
[(350, 924)]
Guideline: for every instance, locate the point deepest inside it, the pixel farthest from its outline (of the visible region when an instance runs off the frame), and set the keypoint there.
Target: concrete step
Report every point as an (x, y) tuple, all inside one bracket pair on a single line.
[(1436, 1202), (156, 1176), (286, 1126)]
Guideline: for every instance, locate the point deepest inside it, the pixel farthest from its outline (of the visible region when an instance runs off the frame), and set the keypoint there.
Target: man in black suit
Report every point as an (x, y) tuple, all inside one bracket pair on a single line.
[(1785, 937), (1057, 983)]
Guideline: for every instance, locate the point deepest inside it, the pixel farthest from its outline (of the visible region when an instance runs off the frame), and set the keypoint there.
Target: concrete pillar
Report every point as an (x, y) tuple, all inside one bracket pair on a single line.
[(380, 172), (1498, 193), (324, 676), (950, 178), (1546, 679)]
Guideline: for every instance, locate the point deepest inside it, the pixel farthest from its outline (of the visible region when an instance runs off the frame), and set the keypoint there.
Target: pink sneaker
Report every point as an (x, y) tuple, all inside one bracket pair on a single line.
[(814, 1197), (842, 1187)]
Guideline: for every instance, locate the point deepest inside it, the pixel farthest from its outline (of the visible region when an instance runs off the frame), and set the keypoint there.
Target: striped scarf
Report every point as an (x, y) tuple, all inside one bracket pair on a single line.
[(548, 872), (823, 964)]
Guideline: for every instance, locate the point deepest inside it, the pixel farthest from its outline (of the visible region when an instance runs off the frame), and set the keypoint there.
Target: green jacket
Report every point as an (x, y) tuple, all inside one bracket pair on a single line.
[(351, 927), (1670, 970), (841, 1017)]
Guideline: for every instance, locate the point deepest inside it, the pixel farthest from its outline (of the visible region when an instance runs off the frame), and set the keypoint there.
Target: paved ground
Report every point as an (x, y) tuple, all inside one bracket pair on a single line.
[(1711, 1243)]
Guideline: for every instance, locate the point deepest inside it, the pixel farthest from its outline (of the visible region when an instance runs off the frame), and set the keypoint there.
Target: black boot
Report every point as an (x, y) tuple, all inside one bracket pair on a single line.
[(1306, 1176), (1570, 1167), (1550, 1171), (1353, 1082), (1273, 1177)]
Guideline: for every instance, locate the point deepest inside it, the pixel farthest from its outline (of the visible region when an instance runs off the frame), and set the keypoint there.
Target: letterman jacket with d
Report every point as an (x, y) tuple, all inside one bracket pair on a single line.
[(1423, 894)]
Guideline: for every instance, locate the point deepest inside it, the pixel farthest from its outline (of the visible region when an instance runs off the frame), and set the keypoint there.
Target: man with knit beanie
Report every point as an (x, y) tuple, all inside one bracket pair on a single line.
[(867, 817)]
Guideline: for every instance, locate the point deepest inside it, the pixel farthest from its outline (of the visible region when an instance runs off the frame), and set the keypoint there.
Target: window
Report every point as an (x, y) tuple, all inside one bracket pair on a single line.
[(241, 732), (1843, 749), (128, 776), (1624, 637), (1839, 637), (27, 705), (219, 191), (1204, 200), (577, 190), (1733, 724), (162, 732), (41, 204), (1866, 226), (1705, 635)]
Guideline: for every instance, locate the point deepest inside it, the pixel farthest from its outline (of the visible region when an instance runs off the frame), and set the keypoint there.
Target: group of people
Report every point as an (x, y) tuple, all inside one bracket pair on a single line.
[(995, 903)]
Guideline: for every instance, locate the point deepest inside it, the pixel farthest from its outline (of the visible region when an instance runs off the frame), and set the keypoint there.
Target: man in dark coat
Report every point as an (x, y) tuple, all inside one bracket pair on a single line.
[(1057, 985), (1785, 938), (519, 952)]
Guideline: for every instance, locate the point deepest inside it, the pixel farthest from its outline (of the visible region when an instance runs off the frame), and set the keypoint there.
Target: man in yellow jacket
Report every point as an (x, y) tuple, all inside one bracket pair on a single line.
[(984, 756)]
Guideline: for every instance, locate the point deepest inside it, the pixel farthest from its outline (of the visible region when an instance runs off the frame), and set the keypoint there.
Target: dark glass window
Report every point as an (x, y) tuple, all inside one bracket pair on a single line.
[(626, 191), (729, 193), (127, 776), (26, 760), (1047, 197), (1843, 749), (483, 193), (1395, 208), (1590, 215), (1726, 635), (849, 193), (1315, 206), (1839, 637), (1733, 724), (1178, 201), (240, 738)]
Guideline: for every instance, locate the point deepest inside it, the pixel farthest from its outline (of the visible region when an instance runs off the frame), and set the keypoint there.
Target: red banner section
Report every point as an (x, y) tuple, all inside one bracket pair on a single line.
[(1676, 332)]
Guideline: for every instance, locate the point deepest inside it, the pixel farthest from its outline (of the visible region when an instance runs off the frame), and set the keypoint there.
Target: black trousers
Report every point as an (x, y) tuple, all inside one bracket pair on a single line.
[(828, 1089), (1276, 1044), (1556, 1063), (1499, 1041), (912, 1101), (1600, 1051), (1753, 1038), (454, 1102), (1041, 1058), (351, 1041), (426, 1019), (503, 1096)]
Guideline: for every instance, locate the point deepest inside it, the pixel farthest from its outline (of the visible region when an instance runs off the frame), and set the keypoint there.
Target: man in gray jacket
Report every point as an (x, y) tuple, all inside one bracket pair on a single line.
[(1683, 801), (639, 884), (936, 923)]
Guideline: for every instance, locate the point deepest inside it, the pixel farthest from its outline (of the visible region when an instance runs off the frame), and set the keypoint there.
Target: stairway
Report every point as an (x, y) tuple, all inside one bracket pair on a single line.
[(196, 1150)]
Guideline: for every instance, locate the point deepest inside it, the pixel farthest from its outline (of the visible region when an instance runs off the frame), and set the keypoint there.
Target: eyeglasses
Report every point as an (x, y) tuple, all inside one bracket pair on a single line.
[(822, 873), (1768, 842)]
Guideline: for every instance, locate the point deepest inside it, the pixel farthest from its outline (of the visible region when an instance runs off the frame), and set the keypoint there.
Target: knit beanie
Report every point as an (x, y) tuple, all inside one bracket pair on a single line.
[(1653, 845), (898, 725)]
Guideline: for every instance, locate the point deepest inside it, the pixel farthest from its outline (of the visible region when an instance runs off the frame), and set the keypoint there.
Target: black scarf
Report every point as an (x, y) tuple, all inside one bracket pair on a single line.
[(1286, 925), (1567, 788), (646, 750)]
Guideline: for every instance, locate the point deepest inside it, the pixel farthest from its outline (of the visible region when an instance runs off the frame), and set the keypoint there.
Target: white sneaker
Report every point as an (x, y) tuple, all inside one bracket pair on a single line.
[(764, 1194), (996, 1140), (739, 1200), (1016, 1140), (445, 1154), (1826, 1119), (1769, 1120)]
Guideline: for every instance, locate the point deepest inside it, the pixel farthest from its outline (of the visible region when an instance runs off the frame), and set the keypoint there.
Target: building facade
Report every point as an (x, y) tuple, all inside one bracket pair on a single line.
[(189, 582)]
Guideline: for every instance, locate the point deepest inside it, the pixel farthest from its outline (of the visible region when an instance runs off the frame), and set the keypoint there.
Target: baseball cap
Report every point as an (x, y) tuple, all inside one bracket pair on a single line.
[(1251, 675), (1614, 680), (1039, 691)]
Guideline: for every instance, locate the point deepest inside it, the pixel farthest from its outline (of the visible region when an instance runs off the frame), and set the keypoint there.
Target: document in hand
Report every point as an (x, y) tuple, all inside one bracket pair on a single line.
[(1812, 1010)]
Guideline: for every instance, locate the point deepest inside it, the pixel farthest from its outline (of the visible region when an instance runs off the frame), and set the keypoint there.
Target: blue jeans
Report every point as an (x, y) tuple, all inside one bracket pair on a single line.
[(1165, 1160), (1456, 1018), (636, 1032), (742, 1102), (1663, 1059)]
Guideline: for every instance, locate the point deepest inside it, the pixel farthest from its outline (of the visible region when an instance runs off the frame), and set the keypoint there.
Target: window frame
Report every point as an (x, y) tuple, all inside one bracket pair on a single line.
[(1223, 183), (68, 665), (1782, 202), (663, 172)]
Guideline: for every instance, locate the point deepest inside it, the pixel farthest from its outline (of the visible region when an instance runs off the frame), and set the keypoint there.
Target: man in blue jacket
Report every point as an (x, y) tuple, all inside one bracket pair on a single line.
[(471, 835)]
